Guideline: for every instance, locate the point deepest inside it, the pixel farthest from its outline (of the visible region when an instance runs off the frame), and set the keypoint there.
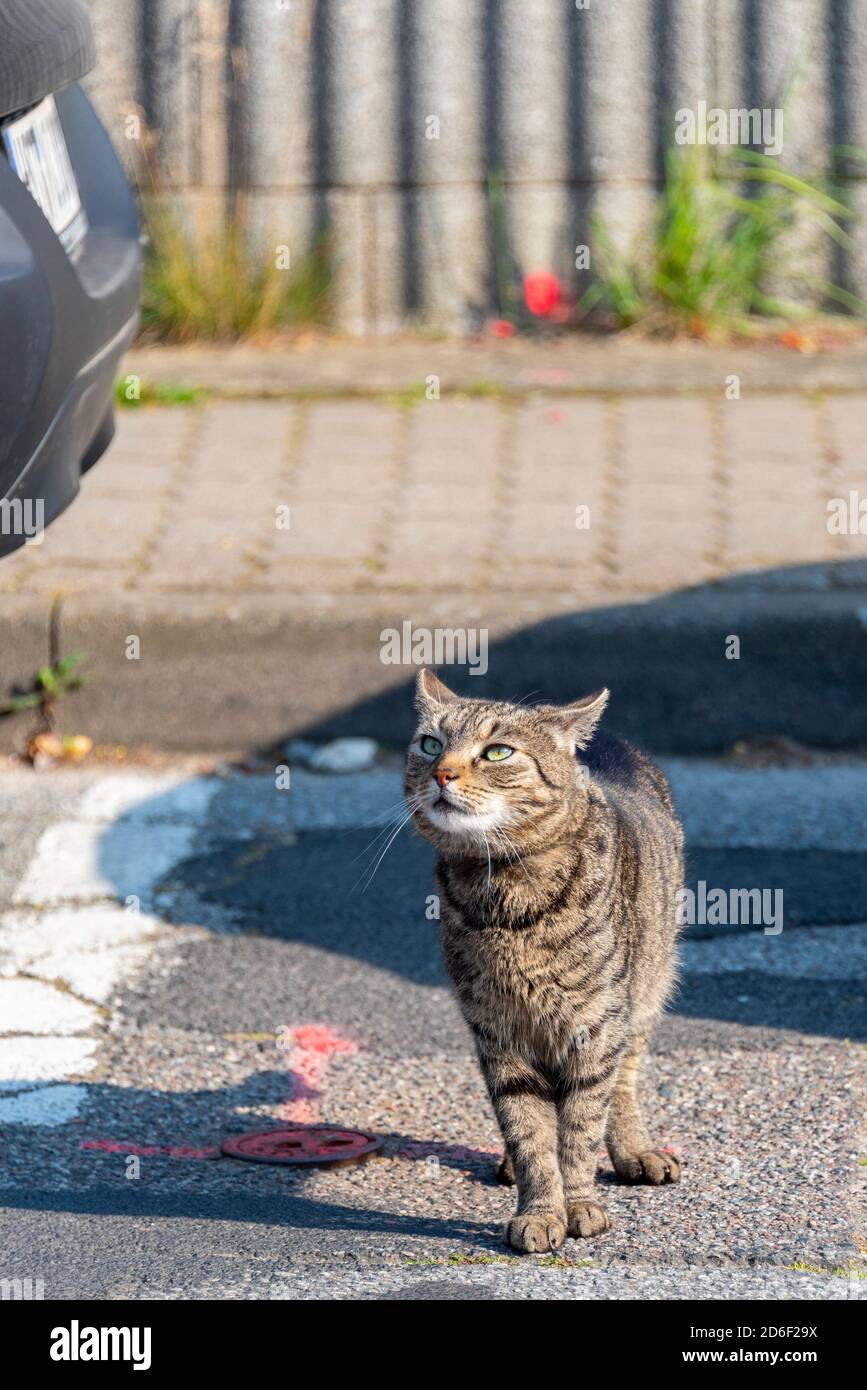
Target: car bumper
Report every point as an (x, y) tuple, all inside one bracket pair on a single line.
[(79, 434), (65, 322)]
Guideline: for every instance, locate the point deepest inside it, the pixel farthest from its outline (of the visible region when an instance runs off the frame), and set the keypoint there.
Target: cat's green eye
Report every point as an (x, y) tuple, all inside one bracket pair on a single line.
[(430, 745), (498, 752)]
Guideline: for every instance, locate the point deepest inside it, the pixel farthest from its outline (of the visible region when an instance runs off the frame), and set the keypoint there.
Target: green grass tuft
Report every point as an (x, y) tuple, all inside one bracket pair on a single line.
[(212, 286), (50, 684), (156, 393), (841, 1271), (719, 238)]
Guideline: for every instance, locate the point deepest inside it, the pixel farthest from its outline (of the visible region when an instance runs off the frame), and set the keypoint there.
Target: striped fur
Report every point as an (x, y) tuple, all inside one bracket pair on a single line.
[(557, 881)]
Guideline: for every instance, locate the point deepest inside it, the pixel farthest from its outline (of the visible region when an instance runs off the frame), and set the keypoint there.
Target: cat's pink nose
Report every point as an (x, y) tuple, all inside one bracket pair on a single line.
[(445, 774)]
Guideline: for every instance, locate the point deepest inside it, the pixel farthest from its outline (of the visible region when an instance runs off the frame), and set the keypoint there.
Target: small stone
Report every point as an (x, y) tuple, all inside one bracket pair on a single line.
[(344, 755)]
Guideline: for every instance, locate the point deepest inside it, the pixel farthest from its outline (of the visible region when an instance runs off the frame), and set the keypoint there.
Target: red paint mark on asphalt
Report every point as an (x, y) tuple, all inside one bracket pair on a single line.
[(314, 1044), (316, 1037), (111, 1146), (312, 1047)]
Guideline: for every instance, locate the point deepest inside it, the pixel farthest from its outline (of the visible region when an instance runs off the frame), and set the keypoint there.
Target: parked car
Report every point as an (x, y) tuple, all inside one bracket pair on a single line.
[(70, 266)]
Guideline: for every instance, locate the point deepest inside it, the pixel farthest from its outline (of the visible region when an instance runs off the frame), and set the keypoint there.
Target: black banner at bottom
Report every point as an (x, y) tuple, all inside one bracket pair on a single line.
[(146, 1337)]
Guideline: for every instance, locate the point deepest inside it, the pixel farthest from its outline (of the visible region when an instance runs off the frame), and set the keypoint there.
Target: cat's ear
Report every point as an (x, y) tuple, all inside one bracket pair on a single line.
[(577, 721), (430, 692)]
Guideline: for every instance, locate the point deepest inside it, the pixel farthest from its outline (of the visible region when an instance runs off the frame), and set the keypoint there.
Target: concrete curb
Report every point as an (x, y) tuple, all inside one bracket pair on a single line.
[(565, 366), (218, 671)]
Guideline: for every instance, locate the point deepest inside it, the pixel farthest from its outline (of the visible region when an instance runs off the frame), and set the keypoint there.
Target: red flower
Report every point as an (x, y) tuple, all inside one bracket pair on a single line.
[(502, 328), (541, 293)]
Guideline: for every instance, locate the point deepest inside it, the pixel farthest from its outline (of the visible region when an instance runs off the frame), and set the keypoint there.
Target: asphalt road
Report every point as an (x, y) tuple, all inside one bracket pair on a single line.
[(183, 959)]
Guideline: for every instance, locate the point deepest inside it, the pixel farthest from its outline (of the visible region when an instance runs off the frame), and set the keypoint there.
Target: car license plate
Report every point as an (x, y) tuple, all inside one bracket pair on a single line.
[(37, 151)]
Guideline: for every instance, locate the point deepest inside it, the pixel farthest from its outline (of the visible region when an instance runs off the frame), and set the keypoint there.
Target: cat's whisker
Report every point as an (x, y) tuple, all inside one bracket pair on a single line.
[(387, 815), (378, 824), (394, 834), (414, 802), (377, 837), (508, 851), (395, 806), (514, 848)]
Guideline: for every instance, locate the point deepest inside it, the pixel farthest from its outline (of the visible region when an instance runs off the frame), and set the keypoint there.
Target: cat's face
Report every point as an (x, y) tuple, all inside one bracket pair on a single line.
[(482, 775)]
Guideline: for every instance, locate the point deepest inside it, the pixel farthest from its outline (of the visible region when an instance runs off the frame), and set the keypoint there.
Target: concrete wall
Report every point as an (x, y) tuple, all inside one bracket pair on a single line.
[(320, 108)]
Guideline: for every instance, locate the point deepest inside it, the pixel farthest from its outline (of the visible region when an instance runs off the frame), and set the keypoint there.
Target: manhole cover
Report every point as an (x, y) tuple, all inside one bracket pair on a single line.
[(321, 1144)]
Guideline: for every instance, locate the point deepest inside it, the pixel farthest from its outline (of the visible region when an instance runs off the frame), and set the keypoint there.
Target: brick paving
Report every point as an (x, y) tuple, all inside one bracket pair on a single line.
[(457, 493)]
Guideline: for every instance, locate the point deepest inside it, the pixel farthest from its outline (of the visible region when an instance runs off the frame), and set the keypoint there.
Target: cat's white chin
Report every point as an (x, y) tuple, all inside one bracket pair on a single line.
[(454, 821)]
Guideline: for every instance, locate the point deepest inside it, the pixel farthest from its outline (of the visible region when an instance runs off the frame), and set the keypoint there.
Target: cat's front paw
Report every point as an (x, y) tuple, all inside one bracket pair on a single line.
[(586, 1219), (536, 1232), (653, 1166)]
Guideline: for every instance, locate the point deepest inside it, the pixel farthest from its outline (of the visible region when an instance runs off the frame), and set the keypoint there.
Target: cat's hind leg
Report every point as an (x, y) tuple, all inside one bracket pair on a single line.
[(629, 1144)]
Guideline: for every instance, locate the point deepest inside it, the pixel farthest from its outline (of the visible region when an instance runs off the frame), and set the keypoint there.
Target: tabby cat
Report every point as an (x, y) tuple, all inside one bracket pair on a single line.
[(558, 882)]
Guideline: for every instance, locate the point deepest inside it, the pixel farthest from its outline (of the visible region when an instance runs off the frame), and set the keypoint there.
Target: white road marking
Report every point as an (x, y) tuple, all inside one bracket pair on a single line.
[(91, 949), (140, 799), (29, 1006), (27, 1062), (78, 862), (96, 977), (28, 936), (127, 832), (49, 1105)]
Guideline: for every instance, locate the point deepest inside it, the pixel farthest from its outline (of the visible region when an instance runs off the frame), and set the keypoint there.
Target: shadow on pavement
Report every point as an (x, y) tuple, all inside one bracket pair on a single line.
[(304, 1213), (178, 1134), (801, 672)]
